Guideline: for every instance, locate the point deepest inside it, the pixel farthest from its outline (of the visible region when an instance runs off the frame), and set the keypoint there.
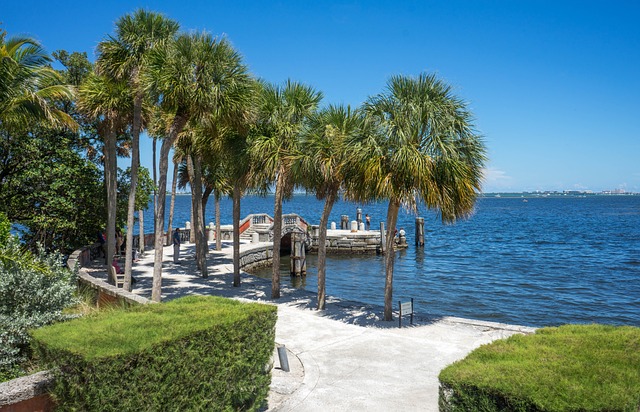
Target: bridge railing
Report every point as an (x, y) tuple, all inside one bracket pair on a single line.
[(261, 219), (254, 219), (292, 219)]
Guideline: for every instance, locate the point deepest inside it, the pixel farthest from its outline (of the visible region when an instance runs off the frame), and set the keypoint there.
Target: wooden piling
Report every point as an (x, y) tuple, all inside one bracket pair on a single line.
[(419, 231)]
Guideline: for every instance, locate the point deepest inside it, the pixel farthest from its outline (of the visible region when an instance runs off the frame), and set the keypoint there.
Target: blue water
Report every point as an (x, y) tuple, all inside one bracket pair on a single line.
[(547, 261)]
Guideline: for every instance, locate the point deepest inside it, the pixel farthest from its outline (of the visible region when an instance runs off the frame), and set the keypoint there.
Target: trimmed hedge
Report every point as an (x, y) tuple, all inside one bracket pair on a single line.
[(193, 353), (568, 368)]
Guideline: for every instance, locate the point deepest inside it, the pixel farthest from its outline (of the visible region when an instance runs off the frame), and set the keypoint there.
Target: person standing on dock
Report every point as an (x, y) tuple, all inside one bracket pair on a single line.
[(367, 220), (176, 245)]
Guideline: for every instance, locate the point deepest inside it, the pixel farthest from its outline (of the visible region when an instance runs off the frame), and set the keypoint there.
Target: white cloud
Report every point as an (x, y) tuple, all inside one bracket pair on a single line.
[(496, 180)]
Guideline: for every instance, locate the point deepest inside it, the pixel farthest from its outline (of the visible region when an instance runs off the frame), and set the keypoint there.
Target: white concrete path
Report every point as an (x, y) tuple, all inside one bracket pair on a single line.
[(344, 358)]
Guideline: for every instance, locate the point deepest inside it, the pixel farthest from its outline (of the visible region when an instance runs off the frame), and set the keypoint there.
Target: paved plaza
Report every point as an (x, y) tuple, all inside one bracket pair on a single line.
[(344, 358)]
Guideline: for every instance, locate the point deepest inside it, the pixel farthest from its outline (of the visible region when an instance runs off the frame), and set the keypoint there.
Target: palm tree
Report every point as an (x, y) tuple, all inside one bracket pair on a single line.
[(191, 78), (238, 168), (427, 151), (282, 113), (29, 86), (187, 145), (107, 100), (323, 161), (177, 159), (125, 57)]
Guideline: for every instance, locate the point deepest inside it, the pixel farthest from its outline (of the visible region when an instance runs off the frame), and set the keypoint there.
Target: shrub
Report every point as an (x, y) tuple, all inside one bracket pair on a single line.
[(568, 368), (194, 353), (34, 290)]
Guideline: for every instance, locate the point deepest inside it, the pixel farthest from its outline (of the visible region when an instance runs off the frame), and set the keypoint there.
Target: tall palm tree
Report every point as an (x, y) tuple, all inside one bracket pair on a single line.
[(323, 161), (124, 56), (187, 145), (191, 78), (238, 167), (29, 86), (177, 159), (427, 151), (282, 113), (108, 101)]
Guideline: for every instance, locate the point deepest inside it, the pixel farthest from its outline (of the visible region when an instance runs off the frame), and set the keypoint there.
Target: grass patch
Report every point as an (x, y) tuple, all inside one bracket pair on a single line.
[(566, 368), (114, 332)]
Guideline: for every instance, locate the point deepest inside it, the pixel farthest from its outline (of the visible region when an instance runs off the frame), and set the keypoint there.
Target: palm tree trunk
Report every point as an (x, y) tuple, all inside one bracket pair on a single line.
[(194, 200), (218, 240), (205, 199), (155, 177), (392, 218), (172, 206), (194, 165), (322, 249), (236, 233), (110, 170), (176, 127), (141, 232), (277, 235), (135, 161)]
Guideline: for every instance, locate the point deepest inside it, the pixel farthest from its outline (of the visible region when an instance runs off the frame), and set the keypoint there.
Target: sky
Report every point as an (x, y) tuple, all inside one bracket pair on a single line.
[(554, 86)]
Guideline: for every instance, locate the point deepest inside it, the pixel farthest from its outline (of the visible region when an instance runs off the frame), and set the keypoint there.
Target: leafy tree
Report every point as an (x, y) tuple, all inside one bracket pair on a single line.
[(46, 185), (426, 150), (57, 198), (29, 93), (77, 66), (282, 113)]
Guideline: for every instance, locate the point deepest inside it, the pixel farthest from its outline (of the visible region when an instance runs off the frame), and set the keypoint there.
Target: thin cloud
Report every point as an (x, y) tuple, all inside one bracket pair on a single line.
[(496, 179)]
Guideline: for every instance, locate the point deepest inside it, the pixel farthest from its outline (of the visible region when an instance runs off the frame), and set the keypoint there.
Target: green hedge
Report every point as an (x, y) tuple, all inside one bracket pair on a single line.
[(568, 368), (193, 353)]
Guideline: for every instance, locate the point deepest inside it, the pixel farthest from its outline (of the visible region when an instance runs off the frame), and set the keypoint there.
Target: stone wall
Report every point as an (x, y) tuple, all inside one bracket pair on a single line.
[(347, 242), (29, 393), (256, 255)]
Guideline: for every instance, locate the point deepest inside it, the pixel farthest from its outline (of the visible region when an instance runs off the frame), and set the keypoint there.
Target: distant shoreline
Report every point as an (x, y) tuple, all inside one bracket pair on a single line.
[(514, 194), (555, 194)]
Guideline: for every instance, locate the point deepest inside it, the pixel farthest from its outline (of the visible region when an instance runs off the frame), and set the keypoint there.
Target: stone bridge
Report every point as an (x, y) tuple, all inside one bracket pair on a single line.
[(259, 227)]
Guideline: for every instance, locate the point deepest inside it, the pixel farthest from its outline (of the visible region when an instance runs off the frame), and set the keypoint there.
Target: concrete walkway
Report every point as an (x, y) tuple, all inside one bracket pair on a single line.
[(343, 358)]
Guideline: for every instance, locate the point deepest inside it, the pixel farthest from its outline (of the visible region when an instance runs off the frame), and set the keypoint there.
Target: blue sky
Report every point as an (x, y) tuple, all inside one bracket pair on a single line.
[(554, 85)]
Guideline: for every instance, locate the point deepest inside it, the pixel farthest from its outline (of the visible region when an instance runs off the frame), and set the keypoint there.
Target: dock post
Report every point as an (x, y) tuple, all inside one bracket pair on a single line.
[(211, 232), (282, 356), (298, 264), (292, 261), (383, 238), (344, 222), (187, 226), (419, 231)]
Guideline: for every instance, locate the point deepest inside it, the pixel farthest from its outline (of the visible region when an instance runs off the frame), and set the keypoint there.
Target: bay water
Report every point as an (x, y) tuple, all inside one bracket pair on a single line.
[(535, 261)]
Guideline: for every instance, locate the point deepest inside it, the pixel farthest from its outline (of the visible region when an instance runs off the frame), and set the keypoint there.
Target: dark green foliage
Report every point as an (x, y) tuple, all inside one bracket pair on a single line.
[(144, 190), (5, 229), (194, 353), (57, 196), (34, 290), (568, 368)]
